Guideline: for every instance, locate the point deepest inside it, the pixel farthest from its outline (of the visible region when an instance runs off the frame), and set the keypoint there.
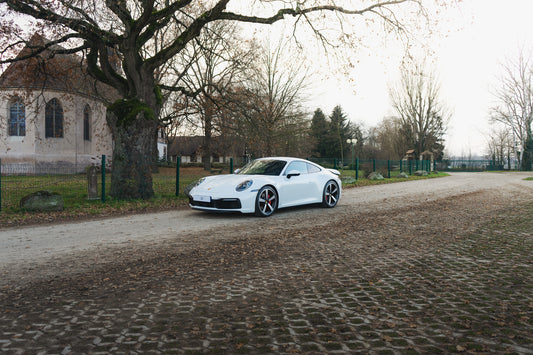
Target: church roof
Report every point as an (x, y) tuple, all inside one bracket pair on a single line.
[(48, 70)]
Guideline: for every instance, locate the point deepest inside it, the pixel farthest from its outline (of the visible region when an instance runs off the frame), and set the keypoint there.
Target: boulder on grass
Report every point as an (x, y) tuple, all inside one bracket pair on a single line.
[(402, 175), (42, 201), (421, 173), (375, 176), (348, 180)]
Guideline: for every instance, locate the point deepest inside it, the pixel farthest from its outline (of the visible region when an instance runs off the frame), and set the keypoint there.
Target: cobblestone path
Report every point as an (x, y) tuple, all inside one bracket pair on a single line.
[(379, 284)]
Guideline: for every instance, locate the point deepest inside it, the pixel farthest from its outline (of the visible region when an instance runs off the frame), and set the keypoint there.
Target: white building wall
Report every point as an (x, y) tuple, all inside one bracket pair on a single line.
[(71, 149), (162, 150)]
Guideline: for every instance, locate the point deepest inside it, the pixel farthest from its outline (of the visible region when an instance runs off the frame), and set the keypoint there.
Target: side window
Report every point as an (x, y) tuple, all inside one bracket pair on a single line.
[(300, 166), (53, 119), (17, 118), (312, 168), (87, 123)]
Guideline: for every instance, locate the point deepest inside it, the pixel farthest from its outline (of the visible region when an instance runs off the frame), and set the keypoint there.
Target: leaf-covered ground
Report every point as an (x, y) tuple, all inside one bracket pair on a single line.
[(447, 276)]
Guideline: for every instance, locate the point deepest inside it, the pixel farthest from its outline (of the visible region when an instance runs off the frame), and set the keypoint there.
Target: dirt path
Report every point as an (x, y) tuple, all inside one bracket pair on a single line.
[(32, 252)]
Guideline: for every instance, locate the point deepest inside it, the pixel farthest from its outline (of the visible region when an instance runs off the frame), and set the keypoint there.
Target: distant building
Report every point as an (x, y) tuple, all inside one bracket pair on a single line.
[(52, 113), (191, 149), (410, 155)]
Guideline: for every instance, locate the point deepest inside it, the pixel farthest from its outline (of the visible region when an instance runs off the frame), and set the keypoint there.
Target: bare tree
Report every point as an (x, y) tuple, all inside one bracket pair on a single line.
[(217, 61), (270, 112), (389, 140), (501, 146), (515, 102), (145, 35), (422, 114)]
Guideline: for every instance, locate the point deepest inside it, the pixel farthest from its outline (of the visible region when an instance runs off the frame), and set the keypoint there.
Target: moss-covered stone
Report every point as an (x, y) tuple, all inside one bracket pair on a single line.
[(43, 201), (375, 176), (420, 173)]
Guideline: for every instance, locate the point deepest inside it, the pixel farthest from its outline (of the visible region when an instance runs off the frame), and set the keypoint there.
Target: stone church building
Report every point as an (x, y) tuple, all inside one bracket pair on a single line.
[(52, 113)]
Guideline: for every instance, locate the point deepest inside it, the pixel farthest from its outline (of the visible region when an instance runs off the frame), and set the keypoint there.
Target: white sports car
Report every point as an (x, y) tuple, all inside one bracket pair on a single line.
[(266, 184)]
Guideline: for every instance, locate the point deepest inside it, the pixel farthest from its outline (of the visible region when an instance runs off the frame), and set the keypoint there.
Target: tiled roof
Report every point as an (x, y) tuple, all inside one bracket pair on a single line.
[(52, 71)]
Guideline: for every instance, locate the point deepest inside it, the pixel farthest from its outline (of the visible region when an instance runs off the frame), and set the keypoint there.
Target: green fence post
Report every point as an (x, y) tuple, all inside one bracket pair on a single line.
[(410, 167), (231, 165), (357, 169), (373, 165), (388, 167), (401, 166), (103, 178), (335, 163), (178, 163)]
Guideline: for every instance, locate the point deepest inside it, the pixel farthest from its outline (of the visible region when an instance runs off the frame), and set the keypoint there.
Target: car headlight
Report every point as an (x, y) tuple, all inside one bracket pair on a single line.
[(244, 185)]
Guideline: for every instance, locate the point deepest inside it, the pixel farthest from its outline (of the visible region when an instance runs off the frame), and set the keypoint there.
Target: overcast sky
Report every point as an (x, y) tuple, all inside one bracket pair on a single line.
[(475, 39)]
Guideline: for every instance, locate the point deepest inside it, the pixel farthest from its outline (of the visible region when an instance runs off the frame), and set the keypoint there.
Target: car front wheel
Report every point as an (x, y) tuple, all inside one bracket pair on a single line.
[(266, 201), (331, 194)]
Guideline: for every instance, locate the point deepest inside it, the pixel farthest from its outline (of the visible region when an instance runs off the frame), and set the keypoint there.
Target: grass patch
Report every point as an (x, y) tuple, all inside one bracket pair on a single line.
[(73, 189), (529, 178)]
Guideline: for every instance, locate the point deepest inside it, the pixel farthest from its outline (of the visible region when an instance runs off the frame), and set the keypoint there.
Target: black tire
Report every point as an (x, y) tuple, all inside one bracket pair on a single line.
[(266, 201), (331, 194)]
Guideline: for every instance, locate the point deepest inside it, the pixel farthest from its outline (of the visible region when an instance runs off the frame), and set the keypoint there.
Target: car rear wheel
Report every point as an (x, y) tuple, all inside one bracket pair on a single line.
[(266, 201), (331, 194)]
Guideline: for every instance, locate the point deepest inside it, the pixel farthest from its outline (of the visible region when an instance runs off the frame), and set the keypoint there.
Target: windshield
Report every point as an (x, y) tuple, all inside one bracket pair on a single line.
[(263, 167)]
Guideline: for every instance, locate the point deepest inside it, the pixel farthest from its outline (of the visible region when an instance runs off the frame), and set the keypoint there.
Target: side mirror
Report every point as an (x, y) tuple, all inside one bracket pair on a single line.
[(293, 173)]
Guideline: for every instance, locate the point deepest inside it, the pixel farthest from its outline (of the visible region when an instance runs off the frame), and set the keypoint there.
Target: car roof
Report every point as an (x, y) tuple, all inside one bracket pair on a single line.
[(281, 158)]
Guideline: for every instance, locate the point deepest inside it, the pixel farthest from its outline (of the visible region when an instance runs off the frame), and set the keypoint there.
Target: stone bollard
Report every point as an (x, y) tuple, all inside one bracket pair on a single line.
[(92, 183)]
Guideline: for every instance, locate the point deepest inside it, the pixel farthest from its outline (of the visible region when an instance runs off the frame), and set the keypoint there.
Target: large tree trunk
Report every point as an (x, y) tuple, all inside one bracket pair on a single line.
[(131, 176)]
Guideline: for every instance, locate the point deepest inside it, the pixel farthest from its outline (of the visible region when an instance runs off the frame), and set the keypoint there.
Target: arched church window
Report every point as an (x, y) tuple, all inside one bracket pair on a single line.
[(87, 123), (17, 118), (53, 119)]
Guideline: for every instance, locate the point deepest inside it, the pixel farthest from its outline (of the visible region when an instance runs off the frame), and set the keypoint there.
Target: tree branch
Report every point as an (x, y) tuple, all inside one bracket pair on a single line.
[(299, 12)]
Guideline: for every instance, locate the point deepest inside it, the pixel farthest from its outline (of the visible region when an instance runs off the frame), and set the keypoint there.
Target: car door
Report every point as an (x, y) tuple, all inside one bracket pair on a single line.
[(295, 190), (316, 183)]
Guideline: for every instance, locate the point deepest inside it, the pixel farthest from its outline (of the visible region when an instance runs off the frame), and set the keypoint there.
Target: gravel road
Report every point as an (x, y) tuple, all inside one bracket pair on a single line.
[(37, 251)]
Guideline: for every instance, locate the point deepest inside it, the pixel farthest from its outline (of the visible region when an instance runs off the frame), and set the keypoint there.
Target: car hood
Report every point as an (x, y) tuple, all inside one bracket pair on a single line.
[(222, 184), (223, 180)]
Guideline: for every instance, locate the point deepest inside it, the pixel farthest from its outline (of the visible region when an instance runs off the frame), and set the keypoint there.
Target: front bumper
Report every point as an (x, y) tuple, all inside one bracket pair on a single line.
[(245, 203), (219, 204)]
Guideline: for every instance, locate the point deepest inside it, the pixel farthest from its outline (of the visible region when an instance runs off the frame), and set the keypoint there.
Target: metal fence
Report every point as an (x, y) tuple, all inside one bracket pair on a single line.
[(387, 168), (474, 165), (19, 180)]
